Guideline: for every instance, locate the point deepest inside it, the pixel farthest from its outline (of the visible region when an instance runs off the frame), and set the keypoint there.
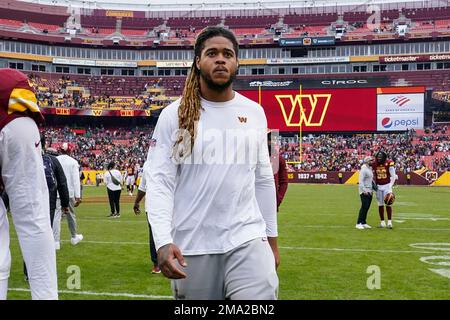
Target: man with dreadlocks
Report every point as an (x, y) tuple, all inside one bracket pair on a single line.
[(210, 189)]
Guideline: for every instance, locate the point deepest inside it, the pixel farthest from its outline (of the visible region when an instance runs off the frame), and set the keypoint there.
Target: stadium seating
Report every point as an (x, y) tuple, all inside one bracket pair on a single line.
[(320, 152), (44, 26), (344, 153), (250, 22), (425, 21), (29, 12), (294, 20), (10, 23), (187, 22)]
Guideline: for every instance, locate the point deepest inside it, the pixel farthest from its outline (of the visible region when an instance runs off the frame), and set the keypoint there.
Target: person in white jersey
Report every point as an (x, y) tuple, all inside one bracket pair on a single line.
[(72, 171), (210, 189), (22, 177)]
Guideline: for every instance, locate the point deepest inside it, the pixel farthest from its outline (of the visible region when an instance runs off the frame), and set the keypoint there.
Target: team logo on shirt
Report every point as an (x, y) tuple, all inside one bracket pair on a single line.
[(242, 119)]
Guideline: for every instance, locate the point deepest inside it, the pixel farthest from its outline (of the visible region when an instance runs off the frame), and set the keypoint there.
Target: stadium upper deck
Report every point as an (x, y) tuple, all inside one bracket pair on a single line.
[(261, 26)]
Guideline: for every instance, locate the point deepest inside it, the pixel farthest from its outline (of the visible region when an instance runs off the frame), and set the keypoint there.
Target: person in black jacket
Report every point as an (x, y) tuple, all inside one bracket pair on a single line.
[(59, 185), (61, 182)]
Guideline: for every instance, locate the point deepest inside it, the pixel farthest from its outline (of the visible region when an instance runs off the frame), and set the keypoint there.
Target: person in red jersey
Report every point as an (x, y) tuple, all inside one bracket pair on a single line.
[(385, 176), (23, 179), (130, 179), (279, 168)]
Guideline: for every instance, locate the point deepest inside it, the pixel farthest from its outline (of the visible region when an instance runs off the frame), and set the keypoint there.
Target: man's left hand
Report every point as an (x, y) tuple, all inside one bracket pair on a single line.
[(136, 209), (274, 246)]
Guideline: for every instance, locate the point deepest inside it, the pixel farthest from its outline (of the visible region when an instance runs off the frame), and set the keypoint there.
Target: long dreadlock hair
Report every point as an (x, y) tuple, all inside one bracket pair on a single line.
[(190, 105)]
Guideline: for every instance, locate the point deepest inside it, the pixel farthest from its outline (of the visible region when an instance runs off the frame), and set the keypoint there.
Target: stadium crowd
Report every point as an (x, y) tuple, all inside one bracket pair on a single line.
[(95, 147), (344, 153), (55, 93)]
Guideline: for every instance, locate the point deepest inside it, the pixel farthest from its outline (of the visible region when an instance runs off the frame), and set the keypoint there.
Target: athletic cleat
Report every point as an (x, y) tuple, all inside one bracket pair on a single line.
[(156, 269), (360, 226), (111, 215), (366, 226), (389, 225), (117, 215), (382, 224), (74, 241)]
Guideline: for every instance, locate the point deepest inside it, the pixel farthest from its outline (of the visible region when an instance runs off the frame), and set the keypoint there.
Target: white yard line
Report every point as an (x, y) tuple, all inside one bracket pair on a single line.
[(105, 294), (111, 242), (373, 227), (281, 247), (354, 250)]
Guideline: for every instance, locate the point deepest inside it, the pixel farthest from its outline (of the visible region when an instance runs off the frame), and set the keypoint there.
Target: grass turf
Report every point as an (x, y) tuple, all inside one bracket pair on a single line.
[(323, 256)]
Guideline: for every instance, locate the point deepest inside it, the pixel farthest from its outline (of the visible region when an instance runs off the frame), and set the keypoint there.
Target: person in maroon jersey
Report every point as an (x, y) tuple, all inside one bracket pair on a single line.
[(130, 179), (23, 178), (384, 175), (279, 168)]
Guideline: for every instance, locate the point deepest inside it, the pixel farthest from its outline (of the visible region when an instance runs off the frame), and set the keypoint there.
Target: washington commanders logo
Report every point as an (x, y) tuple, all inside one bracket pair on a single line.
[(307, 109), (97, 112), (242, 119), (148, 113)]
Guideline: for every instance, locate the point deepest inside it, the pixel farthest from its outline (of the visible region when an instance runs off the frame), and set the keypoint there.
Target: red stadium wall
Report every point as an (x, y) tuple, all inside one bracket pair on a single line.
[(318, 177), (351, 178)]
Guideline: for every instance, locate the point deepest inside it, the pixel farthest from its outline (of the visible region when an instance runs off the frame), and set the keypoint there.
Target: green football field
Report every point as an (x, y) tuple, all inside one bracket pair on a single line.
[(323, 256)]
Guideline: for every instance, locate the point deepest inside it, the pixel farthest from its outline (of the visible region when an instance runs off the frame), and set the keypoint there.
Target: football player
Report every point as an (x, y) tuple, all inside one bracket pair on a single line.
[(130, 179), (384, 174)]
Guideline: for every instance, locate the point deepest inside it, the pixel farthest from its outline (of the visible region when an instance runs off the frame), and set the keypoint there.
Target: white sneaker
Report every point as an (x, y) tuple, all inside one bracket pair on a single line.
[(389, 225), (366, 226), (382, 224), (57, 245), (359, 226), (74, 241)]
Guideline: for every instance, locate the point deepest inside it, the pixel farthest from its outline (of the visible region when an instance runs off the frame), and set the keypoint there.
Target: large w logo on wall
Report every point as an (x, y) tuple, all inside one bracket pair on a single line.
[(306, 109)]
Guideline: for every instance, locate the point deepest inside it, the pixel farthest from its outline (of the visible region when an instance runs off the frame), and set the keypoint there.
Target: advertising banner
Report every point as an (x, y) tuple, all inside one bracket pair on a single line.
[(308, 60), (96, 112), (415, 58), (399, 121), (400, 108), (400, 103), (173, 64), (306, 41), (335, 82), (318, 110)]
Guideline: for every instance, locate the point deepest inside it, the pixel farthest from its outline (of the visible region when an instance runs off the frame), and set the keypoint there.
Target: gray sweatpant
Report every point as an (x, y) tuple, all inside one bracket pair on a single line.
[(71, 220), (245, 273)]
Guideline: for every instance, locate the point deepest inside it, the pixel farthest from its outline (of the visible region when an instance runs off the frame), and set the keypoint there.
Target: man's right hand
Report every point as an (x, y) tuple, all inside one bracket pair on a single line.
[(167, 255)]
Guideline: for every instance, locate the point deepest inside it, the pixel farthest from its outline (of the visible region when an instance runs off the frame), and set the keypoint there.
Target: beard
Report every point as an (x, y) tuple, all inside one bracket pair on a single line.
[(214, 85)]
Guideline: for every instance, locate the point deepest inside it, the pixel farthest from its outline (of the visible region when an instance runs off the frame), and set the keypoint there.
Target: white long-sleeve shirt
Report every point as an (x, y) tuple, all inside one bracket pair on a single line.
[(222, 195), (108, 180), (143, 182), (365, 179), (71, 170)]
